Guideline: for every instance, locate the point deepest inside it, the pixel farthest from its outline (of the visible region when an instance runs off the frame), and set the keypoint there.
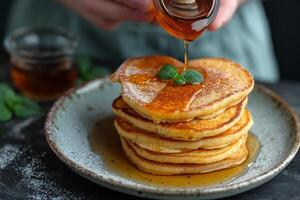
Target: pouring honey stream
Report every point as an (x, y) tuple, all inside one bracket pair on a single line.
[(185, 19)]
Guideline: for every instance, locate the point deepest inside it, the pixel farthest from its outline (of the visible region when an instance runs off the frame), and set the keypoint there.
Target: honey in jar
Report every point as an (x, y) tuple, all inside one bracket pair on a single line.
[(185, 19), (42, 65)]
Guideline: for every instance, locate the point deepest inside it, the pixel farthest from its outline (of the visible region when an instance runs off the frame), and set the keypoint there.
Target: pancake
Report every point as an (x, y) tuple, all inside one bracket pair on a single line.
[(154, 142), (218, 112), (225, 82), (175, 169), (198, 156), (188, 131)]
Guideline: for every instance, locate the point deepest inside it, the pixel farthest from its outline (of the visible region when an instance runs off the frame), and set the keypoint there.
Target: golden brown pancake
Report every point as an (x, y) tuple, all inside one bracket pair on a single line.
[(187, 131), (218, 112), (198, 156), (172, 169), (154, 142), (225, 82)]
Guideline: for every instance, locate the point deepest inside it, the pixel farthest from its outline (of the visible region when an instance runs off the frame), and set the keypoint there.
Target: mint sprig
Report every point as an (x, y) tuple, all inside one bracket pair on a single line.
[(179, 80), (170, 72), (87, 71), (192, 76), (14, 104), (5, 113)]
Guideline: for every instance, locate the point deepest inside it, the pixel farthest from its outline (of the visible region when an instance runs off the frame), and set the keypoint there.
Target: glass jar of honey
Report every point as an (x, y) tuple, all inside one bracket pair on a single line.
[(185, 19), (42, 61)]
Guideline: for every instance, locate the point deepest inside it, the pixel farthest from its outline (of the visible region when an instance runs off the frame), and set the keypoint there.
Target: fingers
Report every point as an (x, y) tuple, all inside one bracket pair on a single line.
[(107, 14), (112, 10), (105, 24), (142, 5), (226, 11)]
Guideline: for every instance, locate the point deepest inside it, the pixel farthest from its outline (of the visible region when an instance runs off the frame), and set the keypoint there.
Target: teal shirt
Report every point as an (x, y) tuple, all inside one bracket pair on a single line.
[(246, 39)]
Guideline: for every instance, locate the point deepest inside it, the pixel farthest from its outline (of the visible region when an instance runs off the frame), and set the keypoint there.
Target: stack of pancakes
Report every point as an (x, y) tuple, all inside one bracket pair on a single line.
[(168, 129)]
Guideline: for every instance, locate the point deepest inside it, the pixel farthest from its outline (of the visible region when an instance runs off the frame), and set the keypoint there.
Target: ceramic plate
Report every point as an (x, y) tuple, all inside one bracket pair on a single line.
[(72, 118)]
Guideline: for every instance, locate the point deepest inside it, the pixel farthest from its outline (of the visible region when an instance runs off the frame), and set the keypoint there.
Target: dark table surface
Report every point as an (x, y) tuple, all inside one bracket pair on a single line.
[(30, 170)]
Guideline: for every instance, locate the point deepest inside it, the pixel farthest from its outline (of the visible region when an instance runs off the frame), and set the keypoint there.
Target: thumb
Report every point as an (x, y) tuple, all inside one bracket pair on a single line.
[(226, 11)]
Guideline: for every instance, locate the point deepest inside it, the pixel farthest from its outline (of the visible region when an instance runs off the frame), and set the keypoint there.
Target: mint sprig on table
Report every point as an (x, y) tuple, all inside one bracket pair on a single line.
[(189, 76), (13, 104), (87, 71)]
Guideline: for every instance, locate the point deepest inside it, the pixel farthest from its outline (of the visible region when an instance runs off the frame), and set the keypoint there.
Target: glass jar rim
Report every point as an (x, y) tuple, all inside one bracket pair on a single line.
[(14, 49), (210, 16)]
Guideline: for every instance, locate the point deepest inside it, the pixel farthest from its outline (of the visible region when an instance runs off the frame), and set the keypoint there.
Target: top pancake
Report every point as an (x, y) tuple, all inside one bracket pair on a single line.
[(225, 82)]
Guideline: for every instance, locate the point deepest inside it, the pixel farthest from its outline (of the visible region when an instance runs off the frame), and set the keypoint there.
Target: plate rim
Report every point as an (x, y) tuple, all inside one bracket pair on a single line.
[(108, 182)]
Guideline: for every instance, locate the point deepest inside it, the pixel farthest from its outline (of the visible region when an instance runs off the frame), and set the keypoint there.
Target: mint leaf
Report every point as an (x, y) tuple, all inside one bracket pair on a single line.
[(10, 99), (26, 108), (100, 71), (11, 103), (168, 72), (5, 113), (4, 91), (29, 103), (179, 80), (84, 63), (3, 87), (94, 72), (87, 71), (8, 96), (192, 76)]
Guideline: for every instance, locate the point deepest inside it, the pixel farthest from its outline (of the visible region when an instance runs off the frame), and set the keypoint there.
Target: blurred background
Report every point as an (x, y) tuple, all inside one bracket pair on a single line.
[(283, 17)]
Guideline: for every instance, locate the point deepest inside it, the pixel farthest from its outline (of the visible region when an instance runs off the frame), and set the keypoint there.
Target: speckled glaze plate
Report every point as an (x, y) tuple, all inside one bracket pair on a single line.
[(71, 119)]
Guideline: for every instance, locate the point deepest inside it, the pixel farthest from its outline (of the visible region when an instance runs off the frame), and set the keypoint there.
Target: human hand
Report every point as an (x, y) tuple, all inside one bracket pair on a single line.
[(226, 11), (107, 14)]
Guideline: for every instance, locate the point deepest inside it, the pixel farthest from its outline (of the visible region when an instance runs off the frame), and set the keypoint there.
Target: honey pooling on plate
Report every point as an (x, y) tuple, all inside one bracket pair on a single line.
[(185, 19)]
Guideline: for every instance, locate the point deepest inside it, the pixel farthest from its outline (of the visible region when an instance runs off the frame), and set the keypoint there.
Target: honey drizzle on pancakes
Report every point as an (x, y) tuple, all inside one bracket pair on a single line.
[(181, 99), (225, 82)]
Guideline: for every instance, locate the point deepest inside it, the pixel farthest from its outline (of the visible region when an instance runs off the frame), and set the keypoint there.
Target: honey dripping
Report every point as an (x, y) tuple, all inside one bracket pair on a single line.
[(186, 54), (105, 142), (185, 19)]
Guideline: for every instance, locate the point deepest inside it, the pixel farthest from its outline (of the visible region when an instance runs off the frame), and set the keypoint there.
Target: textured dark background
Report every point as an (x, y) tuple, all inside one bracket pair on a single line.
[(284, 16)]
